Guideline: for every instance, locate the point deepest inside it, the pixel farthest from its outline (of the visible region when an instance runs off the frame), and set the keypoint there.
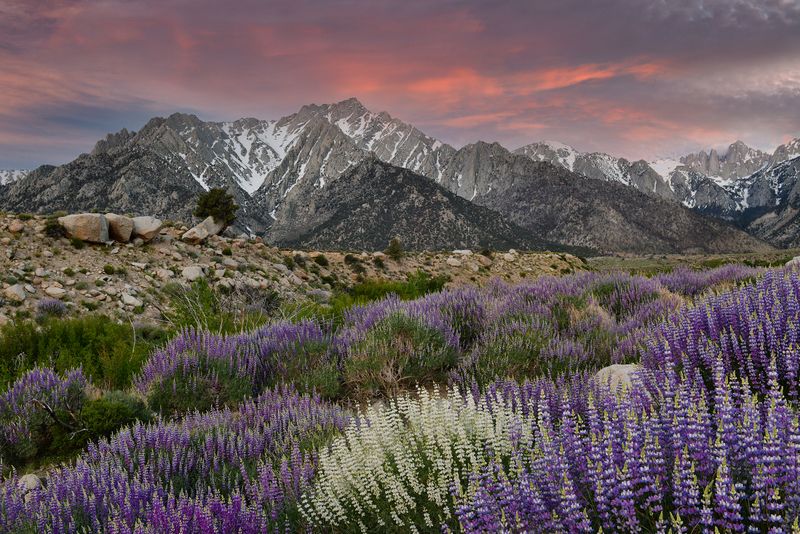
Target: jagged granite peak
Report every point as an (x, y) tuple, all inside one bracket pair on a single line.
[(600, 166), (738, 161), (390, 139), (374, 202), (555, 204)]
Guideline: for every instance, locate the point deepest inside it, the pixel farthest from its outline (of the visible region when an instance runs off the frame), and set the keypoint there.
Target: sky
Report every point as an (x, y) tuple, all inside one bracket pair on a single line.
[(635, 78)]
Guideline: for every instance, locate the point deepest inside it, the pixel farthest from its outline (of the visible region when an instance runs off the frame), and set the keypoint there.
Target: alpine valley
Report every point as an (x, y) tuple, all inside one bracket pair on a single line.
[(345, 177)]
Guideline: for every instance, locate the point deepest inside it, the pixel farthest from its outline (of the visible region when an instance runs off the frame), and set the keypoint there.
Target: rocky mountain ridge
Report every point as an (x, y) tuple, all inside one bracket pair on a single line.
[(273, 166)]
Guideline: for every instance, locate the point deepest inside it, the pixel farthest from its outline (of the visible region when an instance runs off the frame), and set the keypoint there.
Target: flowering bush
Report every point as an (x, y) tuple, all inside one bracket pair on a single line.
[(222, 471), (36, 410), (48, 307), (198, 370), (393, 471)]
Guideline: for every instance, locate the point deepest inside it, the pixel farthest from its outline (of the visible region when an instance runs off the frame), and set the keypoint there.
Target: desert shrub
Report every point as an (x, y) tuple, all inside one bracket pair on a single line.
[(76, 243), (509, 350), (201, 386), (198, 370), (395, 249), (53, 229), (109, 269), (321, 260), (39, 414), (48, 307), (227, 251), (288, 261), (397, 352), (202, 306), (416, 285), (378, 262), (217, 203), (109, 353), (113, 410)]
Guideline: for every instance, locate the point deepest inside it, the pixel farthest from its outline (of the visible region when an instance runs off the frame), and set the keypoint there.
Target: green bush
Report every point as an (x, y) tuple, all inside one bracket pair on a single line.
[(52, 228), (109, 353), (109, 269), (227, 251), (321, 260), (200, 306), (215, 384), (76, 243), (395, 249), (217, 203), (396, 353), (114, 410)]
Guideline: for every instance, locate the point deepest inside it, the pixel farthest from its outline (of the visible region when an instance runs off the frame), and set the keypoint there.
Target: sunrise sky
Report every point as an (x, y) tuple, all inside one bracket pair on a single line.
[(637, 78)]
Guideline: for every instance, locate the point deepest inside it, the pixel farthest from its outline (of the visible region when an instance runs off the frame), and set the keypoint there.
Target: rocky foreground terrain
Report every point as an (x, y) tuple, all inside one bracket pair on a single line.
[(128, 280)]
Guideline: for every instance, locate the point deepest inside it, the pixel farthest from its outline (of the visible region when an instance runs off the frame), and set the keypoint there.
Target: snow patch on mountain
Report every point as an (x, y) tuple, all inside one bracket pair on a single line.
[(8, 176)]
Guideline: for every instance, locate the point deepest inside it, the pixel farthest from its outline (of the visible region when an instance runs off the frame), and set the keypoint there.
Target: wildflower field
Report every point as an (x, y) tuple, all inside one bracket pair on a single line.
[(466, 410)]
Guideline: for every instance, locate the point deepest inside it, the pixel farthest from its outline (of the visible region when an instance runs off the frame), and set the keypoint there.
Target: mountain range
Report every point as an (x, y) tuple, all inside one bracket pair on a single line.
[(343, 176)]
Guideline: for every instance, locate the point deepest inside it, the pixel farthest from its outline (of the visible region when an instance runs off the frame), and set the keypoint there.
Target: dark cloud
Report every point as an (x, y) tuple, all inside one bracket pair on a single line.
[(635, 77)]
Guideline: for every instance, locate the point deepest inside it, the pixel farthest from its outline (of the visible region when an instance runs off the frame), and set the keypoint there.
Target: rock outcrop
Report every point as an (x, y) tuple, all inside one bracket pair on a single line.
[(91, 227)]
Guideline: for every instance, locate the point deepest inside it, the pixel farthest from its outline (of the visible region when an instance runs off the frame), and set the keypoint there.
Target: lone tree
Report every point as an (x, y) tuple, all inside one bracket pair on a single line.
[(217, 203), (395, 249)]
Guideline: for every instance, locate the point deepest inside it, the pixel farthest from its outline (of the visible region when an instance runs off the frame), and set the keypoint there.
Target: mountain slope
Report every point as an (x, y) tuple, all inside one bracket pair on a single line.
[(558, 206), (600, 166), (375, 201)]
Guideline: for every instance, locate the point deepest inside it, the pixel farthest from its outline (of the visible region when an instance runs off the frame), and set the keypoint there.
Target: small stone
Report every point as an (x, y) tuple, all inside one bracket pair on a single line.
[(230, 262), (508, 256), (192, 272), (111, 291), (281, 268), (115, 250), (30, 289), (177, 256), (40, 272), (463, 252), (138, 265), (55, 292), (15, 293), (219, 273), (453, 262), (164, 274), (28, 483), (484, 260), (16, 227), (617, 376), (47, 254), (130, 300)]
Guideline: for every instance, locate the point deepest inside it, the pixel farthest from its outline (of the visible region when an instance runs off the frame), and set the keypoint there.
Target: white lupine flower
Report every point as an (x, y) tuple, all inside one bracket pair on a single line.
[(400, 467)]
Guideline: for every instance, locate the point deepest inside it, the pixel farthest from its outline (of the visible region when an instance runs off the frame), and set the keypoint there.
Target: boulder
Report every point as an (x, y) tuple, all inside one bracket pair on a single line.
[(91, 227), (463, 252), (15, 293), (29, 482), (55, 292), (130, 300), (192, 272), (16, 226), (146, 227), (203, 230), (617, 376), (453, 262), (120, 227)]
